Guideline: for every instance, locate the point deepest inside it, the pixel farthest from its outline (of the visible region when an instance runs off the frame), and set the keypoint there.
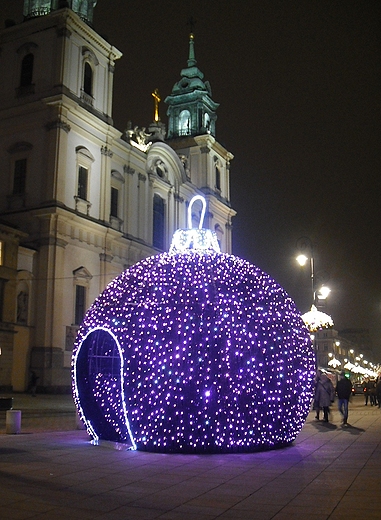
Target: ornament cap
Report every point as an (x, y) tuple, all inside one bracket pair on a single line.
[(192, 238)]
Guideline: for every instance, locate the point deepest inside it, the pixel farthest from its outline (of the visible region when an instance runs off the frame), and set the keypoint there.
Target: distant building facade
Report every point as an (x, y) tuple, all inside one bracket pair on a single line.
[(335, 349), (80, 200)]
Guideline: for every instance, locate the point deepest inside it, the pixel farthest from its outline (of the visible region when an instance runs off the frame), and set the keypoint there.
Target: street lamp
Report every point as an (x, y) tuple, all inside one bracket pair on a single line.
[(305, 244), (315, 320), (323, 292)]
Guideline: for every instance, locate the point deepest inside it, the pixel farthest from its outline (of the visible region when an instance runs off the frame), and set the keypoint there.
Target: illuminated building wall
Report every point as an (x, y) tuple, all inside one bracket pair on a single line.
[(88, 199)]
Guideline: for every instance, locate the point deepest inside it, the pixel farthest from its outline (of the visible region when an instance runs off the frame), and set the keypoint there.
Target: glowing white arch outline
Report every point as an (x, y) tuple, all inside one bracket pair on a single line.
[(191, 202), (194, 238), (88, 424)]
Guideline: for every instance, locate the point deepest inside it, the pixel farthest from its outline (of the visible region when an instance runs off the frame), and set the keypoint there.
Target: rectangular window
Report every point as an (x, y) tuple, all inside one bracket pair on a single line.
[(158, 222), (218, 179), (82, 183), (80, 304), (19, 177), (114, 202), (2, 290)]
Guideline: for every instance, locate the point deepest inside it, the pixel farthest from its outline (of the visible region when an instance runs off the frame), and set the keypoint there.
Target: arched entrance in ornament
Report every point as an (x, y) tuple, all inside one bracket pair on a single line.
[(98, 376)]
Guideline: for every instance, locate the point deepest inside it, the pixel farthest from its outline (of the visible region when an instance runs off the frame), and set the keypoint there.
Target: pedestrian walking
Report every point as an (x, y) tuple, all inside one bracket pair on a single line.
[(372, 392), (378, 392), (344, 392), (324, 395), (366, 387)]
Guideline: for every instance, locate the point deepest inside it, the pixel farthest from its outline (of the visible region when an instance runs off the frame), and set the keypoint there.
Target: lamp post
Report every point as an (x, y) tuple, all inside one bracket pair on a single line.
[(314, 319), (304, 244)]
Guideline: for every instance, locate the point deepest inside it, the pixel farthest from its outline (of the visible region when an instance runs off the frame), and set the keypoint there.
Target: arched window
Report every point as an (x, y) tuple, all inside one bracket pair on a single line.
[(184, 123), (206, 122), (26, 75), (88, 79), (158, 221), (89, 70)]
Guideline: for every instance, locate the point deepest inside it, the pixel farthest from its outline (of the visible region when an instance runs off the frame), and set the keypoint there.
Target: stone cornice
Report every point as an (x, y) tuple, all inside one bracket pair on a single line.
[(58, 123)]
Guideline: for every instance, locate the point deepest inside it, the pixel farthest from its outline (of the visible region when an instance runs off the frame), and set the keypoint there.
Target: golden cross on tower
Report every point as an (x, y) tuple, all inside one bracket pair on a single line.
[(157, 99), (191, 22)]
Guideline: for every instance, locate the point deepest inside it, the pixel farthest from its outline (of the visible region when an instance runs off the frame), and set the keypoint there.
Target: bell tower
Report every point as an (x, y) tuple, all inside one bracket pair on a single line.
[(191, 109)]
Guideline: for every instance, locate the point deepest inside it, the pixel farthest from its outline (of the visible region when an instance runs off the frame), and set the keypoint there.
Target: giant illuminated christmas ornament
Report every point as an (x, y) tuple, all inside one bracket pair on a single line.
[(194, 351)]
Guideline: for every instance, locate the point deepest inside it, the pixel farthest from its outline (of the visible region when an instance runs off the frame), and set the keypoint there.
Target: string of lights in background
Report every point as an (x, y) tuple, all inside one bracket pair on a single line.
[(194, 351), (359, 366)]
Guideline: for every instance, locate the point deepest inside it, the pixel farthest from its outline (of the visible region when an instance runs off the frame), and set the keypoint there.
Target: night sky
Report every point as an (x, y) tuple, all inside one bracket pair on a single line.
[(298, 84)]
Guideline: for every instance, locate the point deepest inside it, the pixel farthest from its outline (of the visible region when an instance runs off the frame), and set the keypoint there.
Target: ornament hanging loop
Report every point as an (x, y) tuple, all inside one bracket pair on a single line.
[(192, 238), (192, 201)]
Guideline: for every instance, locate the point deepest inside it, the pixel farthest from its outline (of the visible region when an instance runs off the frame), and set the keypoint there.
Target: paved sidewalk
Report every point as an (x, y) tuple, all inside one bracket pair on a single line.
[(43, 413), (329, 472)]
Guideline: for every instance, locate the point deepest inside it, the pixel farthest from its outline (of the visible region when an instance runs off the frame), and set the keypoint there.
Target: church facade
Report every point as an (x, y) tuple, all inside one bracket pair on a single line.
[(80, 200)]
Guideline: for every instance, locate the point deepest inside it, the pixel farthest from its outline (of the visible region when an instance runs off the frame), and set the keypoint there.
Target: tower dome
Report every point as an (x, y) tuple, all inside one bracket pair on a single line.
[(191, 110)]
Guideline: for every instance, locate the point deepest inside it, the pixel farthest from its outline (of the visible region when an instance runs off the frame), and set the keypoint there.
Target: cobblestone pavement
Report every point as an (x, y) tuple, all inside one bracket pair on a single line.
[(51, 471)]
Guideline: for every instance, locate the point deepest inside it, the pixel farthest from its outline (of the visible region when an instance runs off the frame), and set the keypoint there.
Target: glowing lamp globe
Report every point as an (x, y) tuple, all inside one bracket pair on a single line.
[(316, 320), (194, 351)]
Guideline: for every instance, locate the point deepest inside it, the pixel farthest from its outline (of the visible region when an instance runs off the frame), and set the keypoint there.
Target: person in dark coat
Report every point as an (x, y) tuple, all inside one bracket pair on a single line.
[(378, 392), (344, 392), (324, 394), (366, 387), (372, 392)]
